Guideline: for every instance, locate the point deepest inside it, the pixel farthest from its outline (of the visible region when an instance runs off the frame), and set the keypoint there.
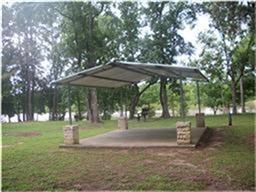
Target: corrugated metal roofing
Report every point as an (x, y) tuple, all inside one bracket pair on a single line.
[(119, 73)]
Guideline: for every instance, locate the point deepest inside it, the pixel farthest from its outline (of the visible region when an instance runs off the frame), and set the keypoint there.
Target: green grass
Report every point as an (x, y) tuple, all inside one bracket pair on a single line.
[(32, 160), (237, 157)]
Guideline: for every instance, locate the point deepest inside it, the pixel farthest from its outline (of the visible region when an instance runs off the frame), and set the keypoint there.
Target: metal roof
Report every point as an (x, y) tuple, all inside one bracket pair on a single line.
[(119, 73)]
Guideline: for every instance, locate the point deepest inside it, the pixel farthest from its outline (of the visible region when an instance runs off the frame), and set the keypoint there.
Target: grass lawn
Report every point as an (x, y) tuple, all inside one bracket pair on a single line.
[(32, 160)]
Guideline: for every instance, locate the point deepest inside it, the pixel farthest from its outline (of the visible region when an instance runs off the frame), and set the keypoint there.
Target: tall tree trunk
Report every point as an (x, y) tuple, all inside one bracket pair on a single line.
[(164, 99), (242, 95), (233, 90), (27, 92), (133, 104), (30, 100), (22, 105), (26, 103), (32, 95), (54, 104), (79, 106), (30, 79), (23, 110), (93, 112), (18, 112), (231, 72)]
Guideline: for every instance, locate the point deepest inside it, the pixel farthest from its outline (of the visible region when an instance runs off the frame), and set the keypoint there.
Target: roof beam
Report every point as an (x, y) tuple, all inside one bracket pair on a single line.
[(196, 70), (144, 72), (106, 78), (95, 86), (157, 73), (169, 70), (104, 68), (134, 70), (111, 79)]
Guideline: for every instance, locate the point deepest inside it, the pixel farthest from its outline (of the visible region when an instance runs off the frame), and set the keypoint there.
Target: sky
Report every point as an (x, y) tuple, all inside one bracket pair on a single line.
[(191, 35)]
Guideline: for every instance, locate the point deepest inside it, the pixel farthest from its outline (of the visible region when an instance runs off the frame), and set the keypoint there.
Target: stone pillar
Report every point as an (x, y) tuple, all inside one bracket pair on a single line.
[(122, 123), (183, 133), (71, 134), (200, 120)]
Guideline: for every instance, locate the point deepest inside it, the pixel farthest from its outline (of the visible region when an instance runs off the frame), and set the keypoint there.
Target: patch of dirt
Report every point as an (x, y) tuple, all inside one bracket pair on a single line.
[(251, 140), (217, 186), (210, 187), (5, 146), (217, 138), (24, 134), (212, 139), (148, 161), (166, 154), (161, 152), (181, 162), (78, 186)]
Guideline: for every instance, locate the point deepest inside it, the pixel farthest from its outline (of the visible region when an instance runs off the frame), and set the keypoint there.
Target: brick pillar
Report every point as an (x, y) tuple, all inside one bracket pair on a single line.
[(122, 123), (200, 120), (183, 133), (71, 134)]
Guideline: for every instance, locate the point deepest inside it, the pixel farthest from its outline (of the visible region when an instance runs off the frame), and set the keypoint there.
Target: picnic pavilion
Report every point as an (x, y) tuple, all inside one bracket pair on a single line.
[(116, 74)]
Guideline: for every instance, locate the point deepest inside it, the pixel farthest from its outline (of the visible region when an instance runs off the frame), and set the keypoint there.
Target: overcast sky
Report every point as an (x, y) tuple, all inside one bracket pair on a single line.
[(191, 35)]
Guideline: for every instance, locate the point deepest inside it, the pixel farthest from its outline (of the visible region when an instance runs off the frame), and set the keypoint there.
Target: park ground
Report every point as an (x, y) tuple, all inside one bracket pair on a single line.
[(32, 160)]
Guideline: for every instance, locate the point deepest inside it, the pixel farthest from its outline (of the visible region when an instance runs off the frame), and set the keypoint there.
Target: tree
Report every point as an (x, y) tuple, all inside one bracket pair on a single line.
[(244, 60), (129, 45), (8, 100), (174, 97), (150, 96), (213, 95), (22, 32), (8, 67), (55, 55), (86, 41), (165, 42), (233, 21)]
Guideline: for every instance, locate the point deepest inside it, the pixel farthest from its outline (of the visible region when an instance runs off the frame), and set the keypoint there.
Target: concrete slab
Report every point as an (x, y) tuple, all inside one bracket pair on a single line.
[(142, 137)]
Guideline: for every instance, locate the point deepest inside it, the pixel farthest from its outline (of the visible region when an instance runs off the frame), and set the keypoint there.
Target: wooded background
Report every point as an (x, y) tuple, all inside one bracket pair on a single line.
[(73, 36)]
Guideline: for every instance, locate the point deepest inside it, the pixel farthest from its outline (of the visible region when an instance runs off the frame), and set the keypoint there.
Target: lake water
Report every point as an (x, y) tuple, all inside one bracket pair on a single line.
[(45, 116)]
